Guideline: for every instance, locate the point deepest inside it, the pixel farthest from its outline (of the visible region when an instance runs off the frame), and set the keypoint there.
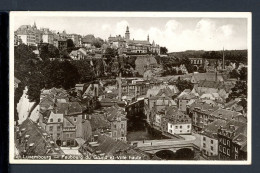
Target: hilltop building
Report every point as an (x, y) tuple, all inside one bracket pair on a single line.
[(126, 45)]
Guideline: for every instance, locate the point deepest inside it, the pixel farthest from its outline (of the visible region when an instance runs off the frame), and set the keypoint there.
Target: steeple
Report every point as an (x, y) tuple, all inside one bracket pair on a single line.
[(127, 33), (148, 37)]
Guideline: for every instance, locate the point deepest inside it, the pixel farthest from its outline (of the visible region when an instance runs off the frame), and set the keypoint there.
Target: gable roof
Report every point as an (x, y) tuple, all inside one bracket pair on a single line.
[(211, 130), (38, 139)]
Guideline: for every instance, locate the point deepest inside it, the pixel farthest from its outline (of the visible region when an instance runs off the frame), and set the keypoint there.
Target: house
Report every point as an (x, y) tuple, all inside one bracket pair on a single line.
[(178, 122), (32, 140), (72, 122), (79, 54), (29, 35), (233, 141), (197, 77), (200, 112), (61, 44), (207, 87), (116, 116), (156, 104), (47, 36), (104, 147), (224, 114), (209, 139), (184, 98), (53, 124)]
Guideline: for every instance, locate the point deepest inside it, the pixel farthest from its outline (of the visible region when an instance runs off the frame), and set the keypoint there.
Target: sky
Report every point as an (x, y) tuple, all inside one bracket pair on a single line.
[(175, 33)]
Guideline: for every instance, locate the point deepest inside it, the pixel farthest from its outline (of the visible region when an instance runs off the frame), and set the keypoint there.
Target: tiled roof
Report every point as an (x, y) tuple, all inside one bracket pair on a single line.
[(211, 130), (68, 108), (176, 116), (204, 107), (109, 146), (97, 121), (37, 138), (143, 42), (225, 114), (207, 76), (235, 127), (115, 112)]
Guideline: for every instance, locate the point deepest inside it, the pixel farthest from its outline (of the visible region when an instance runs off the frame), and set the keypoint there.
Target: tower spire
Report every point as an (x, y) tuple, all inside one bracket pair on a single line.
[(127, 33)]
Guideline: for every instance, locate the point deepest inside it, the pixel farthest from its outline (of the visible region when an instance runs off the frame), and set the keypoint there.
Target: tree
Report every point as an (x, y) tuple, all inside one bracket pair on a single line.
[(98, 42), (61, 74), (234, 74), (183, 84), (238, 91), (70, 45), (163, 50), (48, 51), (243, 74), (85, 70)]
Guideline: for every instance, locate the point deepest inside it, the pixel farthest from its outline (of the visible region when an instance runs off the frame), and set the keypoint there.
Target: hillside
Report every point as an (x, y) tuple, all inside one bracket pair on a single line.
[(232, 55)]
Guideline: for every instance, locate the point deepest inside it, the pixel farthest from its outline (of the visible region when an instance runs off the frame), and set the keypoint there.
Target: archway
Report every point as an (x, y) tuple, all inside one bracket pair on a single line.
[(184, 154), (165, 154)]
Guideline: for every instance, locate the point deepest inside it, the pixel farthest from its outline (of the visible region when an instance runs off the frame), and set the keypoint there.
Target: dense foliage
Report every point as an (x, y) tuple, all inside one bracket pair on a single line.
[(183, 84)]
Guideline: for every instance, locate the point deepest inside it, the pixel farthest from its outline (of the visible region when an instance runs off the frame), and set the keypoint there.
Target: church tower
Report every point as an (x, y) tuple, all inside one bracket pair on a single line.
[(127, 34), (147, 37)]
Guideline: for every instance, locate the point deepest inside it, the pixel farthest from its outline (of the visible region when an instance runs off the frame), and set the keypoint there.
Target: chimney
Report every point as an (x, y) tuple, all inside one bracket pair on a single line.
[(223, 62), (119, 86)]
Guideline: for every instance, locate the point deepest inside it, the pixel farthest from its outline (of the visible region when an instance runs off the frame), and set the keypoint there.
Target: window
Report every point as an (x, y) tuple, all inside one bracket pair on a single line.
[(220, 148), (204, 145), (59, 120), (176, 127), (228, 152), (180, 131), (170, 131), (171, 126), (224, 141), (114, 133), (51, 128), (224, 150), (180, 127), (228, 143), (51, 120), (236, 149), (236, 156), (188, 131), (204, 138), (212, 141), (211, 148), (58, 128), (75, 119), (188, 126), (122, 126)]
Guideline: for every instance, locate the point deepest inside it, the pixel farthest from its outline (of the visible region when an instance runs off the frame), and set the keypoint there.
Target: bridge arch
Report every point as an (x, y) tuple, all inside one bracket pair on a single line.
[(184, 154), (165, 154), (176, 154)]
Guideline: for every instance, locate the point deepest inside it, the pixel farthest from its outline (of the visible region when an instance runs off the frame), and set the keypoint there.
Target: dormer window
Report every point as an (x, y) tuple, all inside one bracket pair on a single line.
[(51, 120)]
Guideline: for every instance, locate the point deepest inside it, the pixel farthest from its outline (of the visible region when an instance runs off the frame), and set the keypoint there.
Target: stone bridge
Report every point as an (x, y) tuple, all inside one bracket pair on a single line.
[(154, 146)]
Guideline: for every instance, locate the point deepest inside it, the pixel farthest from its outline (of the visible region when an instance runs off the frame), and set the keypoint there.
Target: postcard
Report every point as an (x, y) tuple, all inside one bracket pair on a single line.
[(130, 88)]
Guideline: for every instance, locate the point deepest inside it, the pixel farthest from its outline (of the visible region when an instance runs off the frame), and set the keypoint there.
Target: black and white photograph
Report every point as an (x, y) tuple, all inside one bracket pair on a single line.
[(130, 88)]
